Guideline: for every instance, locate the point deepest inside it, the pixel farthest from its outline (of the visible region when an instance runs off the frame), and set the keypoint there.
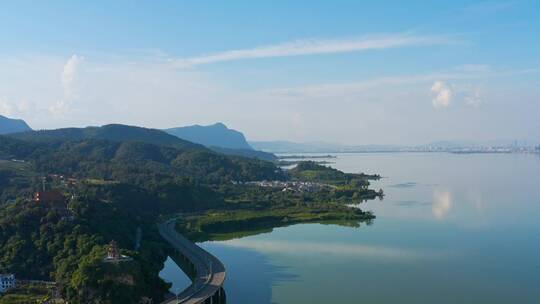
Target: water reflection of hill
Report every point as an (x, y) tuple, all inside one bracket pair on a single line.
[(225, 236)]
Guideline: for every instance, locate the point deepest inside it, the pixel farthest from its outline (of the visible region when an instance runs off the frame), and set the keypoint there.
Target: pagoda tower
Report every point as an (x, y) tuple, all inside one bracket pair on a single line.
[(113, 253)]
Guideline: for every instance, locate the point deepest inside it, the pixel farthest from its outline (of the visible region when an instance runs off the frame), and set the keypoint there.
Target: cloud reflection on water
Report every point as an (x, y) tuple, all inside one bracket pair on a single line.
[(340, 249), (404, 185), (442, 203), (411, 203)]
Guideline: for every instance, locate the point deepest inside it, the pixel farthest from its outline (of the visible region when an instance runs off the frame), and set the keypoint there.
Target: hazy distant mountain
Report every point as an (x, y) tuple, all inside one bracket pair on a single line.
[(113, 132), (315, 147), (216, 135), (221, 139), (8, 125), (123, 133)]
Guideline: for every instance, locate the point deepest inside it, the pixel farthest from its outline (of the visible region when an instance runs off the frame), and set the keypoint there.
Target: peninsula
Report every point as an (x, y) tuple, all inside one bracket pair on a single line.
[(67, 194)]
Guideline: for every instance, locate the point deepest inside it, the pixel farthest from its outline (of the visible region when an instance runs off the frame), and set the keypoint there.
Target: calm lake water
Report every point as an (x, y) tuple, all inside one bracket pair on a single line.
[(453, 228)]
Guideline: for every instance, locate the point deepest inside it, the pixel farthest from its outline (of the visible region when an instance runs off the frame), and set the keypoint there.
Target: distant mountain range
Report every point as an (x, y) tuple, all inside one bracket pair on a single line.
[(113, 132), (219, 138), (8, 125), (124, 133), (217, 135), (130, 154)]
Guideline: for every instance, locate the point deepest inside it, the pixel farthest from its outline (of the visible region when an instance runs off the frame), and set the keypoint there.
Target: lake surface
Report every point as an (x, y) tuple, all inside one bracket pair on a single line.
[(452, 228)]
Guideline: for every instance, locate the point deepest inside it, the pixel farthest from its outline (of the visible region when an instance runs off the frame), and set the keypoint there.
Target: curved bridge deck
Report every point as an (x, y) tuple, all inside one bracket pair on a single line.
[(207, 286)]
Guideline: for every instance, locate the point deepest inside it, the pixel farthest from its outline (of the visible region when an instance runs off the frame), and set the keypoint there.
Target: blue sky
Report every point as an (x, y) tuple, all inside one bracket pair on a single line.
[(340, 71)]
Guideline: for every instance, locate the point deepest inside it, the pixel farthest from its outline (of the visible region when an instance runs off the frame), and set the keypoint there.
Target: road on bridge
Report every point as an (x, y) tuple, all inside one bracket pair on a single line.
[(207, 286)]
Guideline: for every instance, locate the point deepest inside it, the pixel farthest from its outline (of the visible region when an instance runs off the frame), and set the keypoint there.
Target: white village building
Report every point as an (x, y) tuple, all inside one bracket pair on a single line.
[(7, 281)]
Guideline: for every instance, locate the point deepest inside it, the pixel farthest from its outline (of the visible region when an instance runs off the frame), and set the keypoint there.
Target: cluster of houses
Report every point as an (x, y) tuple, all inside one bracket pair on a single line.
[(62, 180), (294, 186)]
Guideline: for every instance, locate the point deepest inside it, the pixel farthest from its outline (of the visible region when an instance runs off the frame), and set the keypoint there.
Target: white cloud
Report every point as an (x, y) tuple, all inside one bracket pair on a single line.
[(151, 93), (69, 78), (473, 98), (347, 89), (15, 109), (69, 75), (60, 108), (6, 108), (444, 94), (314, 46)]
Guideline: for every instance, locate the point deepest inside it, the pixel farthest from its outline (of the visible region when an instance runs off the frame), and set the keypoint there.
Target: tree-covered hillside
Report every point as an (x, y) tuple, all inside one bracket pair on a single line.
[(246, 153), (113, 132), (115, 188), (134, 162), (312, 171), (41, 243)]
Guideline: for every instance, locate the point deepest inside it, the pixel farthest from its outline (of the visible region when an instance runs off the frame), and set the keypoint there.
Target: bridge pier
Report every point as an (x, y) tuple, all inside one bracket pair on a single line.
[(219, 297)]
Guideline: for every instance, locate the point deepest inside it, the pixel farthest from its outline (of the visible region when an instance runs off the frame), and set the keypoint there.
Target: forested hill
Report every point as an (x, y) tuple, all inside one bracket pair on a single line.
[(311, 171), (134, 162), (246, 153), (8, 125), (113, 132), (216, 135), (116, 188)]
